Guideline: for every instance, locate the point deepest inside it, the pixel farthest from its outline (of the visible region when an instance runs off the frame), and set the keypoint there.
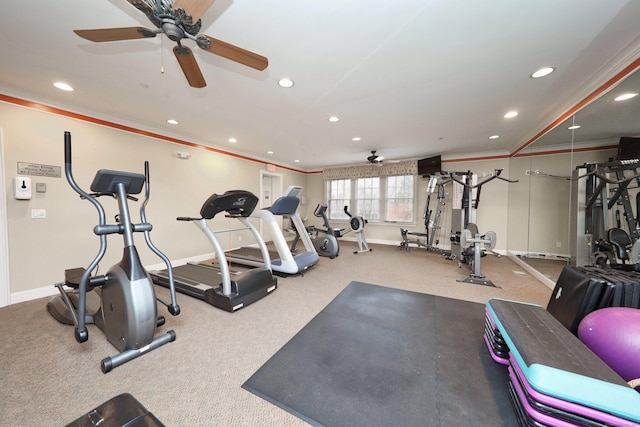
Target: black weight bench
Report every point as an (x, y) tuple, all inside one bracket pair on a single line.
[(119, 411)]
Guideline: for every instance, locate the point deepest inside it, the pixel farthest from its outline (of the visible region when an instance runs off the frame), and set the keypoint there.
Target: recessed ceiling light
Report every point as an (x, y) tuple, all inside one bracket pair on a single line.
[(269, 152), (333, 119), (233, 140), (297, 161), (285, 82), (172, 122), (63, 86), (494, 137), (542, 72), (510, 114), (625, 96), (574, 127), (356, 138)]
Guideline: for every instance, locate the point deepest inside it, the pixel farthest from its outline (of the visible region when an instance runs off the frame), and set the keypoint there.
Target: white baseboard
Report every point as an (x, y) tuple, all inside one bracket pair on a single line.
[(51, 290), (45, 291), (535, 273)]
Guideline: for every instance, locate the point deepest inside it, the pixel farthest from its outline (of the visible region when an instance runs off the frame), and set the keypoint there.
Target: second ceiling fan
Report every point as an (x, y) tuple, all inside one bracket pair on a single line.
[(375, 159), (179, 19)]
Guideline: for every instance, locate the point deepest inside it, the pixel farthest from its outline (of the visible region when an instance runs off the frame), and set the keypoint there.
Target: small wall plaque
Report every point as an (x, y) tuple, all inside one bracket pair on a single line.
[(39, 170)]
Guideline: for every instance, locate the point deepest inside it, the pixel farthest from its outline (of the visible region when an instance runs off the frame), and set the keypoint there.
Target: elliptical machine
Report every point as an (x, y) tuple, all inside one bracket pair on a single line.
[(357, 224), (121, 302)]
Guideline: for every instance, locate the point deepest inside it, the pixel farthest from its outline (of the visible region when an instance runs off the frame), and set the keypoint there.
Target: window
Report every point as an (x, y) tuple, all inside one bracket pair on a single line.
[(339, 196), (368, 198), (376, 199), (399, 200)]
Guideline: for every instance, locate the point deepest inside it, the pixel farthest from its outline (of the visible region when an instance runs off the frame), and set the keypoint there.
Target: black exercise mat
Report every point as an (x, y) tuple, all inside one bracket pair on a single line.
[(377, 356)]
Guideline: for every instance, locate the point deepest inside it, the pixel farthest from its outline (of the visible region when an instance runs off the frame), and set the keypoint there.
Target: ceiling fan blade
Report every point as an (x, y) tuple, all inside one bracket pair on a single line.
[(237, 54), (147, 9), (195, 8), (115, 34), (142, 5), (189, 66)]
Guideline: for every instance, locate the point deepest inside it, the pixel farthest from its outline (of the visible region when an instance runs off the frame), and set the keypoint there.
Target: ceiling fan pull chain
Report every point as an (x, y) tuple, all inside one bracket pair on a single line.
[(161, 55)]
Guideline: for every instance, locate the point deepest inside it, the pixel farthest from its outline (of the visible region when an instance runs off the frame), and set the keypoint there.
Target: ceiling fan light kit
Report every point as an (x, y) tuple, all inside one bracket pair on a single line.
[(175, 19)]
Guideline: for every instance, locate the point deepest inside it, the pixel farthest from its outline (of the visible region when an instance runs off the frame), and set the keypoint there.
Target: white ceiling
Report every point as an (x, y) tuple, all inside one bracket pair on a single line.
[(412, 78)]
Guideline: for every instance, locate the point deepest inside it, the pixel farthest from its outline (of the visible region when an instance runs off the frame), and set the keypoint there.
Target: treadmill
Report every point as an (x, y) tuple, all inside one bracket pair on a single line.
[(284, 261), (203, 281)]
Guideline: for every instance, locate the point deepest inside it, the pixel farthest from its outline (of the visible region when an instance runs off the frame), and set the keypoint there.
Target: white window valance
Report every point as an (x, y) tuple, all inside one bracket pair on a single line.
[(405, 167)]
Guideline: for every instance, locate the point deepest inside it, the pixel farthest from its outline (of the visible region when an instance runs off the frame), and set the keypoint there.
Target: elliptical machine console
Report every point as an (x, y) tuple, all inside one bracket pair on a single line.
[(121, 302)]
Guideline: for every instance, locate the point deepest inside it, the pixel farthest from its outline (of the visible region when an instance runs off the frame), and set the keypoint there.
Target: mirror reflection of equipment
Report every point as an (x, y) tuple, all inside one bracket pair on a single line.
[(598, 234)]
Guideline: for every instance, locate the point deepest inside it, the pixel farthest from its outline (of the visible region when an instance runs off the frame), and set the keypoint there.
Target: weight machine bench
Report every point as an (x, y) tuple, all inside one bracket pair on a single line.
[(406, 241), (554, 379), (473, 248)]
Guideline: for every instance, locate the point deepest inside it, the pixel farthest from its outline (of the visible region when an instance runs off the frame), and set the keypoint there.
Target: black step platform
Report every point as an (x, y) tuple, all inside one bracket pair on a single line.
[(554, 379)]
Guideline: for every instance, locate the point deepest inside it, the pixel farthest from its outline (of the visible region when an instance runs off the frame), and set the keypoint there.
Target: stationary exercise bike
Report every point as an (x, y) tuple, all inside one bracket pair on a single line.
[(324, 240), (357, 224), (121, 302)]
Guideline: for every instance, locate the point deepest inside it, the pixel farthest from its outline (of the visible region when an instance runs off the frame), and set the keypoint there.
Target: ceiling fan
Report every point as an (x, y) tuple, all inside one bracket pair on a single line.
[(178, 19), (375, 159)]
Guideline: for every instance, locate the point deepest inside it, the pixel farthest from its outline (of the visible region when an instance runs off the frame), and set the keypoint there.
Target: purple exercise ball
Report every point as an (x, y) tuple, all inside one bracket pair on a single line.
[(613, 334)]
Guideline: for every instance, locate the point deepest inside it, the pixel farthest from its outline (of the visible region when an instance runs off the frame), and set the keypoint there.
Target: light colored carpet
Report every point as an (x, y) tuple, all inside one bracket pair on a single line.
[(50, 379)]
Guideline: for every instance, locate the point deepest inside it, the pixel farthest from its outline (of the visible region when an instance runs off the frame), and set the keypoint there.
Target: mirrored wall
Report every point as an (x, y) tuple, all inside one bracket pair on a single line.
[(542, 209)]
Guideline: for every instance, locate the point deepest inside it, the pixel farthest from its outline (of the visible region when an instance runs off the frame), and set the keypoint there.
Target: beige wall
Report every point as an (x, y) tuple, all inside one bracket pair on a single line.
[(40, 249)]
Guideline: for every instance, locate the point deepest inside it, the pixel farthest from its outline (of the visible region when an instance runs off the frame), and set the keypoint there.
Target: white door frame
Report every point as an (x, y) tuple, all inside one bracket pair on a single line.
[(276, 193), (5, 288)]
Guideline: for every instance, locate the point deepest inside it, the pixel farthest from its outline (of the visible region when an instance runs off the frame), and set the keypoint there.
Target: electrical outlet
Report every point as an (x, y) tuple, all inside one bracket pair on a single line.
[(527, 172), (239, 238), (38, 213), (558, 244)]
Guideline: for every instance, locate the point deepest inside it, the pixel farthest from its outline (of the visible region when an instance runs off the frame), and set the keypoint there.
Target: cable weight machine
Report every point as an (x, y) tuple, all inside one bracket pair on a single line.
[(468, 245), (428, 239)]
